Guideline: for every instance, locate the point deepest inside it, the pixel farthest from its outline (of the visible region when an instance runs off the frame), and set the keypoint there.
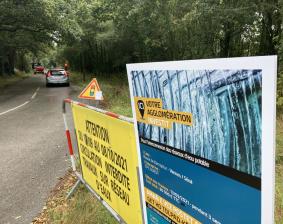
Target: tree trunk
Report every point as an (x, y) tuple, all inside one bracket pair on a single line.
[(266, 46), (83, 65), (1, 65), (225, 43), (11, 61)]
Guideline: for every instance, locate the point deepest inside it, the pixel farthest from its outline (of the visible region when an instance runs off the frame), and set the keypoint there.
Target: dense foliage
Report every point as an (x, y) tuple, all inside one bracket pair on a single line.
[(118, 32), (28, 28), (101, 36)]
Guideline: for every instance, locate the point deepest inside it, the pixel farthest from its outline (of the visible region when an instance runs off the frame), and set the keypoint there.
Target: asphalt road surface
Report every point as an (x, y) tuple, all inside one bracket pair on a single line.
[(33, 148)]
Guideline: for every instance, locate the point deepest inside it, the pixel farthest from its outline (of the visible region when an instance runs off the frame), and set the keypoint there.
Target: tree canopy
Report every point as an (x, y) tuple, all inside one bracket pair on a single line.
[(118, 32), (30, 27), (102, 36)]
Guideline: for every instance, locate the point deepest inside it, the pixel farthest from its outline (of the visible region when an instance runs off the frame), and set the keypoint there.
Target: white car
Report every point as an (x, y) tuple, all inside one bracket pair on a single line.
[(57, 77)]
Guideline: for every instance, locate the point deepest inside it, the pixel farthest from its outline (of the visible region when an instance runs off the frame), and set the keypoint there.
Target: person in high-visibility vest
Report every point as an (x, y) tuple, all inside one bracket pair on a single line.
[(66, 66)]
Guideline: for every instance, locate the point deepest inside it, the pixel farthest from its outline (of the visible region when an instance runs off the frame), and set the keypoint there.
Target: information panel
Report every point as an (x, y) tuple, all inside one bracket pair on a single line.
[(109, 160), (206, 131)]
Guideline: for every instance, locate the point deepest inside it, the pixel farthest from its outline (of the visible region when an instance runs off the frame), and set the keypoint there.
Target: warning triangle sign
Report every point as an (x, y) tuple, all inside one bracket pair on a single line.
[(92, 91)]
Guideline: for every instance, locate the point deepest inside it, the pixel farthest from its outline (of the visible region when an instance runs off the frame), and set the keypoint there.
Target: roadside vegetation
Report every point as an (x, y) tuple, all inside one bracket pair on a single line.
[(279, 173), (82, 207), (11, 79)]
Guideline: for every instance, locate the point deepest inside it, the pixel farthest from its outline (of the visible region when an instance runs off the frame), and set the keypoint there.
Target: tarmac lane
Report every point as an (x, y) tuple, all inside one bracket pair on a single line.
[(33, 147)]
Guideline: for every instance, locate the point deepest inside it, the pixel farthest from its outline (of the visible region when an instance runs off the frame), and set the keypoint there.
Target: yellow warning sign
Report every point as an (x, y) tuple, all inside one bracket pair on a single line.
[(109, 160), (92, 91)]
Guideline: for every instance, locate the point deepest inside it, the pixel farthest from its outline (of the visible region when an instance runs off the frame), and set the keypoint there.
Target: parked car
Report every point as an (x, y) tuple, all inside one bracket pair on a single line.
[(39, 69), (57, 77)]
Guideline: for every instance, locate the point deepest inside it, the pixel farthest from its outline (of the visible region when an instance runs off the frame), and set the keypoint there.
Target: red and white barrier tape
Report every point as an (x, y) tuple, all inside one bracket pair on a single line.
[(69, 141), (120, 117)]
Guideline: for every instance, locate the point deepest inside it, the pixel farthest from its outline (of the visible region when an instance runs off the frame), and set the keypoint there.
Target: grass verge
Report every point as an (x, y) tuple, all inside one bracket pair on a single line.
[(81, 208), (9, 80), (279, 174)]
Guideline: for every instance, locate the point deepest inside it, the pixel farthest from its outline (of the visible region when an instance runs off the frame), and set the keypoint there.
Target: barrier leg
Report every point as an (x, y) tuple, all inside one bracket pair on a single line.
[(72, 191)]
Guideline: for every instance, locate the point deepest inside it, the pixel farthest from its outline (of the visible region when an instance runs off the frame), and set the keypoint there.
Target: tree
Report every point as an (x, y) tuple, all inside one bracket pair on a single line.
[(31, 26), (113, 33)]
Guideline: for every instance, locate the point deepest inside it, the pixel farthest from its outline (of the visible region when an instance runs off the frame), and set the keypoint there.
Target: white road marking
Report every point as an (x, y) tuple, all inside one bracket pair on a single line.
[(25, 103), (35, 93), (7, 111)]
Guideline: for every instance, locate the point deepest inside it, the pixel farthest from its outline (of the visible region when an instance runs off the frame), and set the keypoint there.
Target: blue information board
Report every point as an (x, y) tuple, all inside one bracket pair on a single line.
[(202, 135)]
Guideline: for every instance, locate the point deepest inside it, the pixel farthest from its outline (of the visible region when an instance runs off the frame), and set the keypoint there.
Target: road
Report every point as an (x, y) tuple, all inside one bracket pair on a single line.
[(32, 145)]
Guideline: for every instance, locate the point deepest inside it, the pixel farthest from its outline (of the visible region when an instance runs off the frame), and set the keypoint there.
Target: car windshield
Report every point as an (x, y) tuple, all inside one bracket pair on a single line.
[(57, 73)]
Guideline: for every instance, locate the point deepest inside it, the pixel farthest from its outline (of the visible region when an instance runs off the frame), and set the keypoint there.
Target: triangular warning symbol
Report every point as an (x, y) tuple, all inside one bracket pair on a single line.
[(92, 91)]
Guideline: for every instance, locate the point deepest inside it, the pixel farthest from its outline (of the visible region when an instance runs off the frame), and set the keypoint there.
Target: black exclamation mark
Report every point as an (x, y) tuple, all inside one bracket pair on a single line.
[(141, 107)]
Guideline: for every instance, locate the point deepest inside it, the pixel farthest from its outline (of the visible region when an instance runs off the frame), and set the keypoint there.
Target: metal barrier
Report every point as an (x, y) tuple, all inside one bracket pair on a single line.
[(72, 155)]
